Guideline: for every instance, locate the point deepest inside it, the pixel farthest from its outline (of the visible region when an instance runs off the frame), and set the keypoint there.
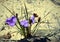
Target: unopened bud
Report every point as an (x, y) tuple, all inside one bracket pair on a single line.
[(39, 19), (16, 15), (35, 15)]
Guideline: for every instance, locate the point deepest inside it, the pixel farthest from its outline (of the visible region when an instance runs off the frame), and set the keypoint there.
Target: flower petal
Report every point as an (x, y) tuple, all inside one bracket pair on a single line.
[(26, 24), (14, 19), (12, 24), (32, 17), (11, 21), (33, 21), (23, 22)]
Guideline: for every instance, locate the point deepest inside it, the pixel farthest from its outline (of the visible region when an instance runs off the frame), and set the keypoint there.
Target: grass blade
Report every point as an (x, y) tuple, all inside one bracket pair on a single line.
[(8, 10), (26, 12)]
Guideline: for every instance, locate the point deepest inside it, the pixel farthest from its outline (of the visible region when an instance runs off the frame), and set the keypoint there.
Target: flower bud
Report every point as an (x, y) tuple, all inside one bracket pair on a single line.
[(39, 19), (35, 15), (16, 15)]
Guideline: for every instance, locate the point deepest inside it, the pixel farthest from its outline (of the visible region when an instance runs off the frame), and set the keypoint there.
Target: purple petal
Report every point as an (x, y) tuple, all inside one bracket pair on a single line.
[(23, 22), (11, 21), (8, 19), (33, 21), (14, 20), (32, 17), (12, 24), (26, 25)]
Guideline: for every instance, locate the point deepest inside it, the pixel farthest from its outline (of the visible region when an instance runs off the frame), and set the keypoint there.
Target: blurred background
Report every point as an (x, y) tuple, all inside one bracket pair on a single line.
[(48, 10)]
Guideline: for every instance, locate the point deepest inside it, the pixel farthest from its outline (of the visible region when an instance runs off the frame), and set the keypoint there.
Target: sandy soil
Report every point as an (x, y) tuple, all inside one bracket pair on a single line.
[(41, 7)]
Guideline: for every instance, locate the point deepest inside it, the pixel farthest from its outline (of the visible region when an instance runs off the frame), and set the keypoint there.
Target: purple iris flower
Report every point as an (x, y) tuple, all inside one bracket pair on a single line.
[(24, 23), (11, 21), (33, 19)]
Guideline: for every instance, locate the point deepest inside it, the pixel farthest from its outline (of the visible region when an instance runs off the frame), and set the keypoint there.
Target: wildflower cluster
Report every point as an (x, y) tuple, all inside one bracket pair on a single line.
[(23, 23)]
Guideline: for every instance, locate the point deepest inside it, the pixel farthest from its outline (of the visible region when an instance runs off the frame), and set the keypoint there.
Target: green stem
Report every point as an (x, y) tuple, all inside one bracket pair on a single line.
[(35, 27), (29, 31), (23, 30)]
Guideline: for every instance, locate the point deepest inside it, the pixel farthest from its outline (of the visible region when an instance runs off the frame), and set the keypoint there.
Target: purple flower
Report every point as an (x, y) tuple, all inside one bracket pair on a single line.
[(11, 21), (33, 19), (24, 23)]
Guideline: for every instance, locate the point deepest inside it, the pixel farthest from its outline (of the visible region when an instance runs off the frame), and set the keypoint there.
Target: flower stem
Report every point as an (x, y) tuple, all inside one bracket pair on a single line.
[(29, 31), (23, 30)]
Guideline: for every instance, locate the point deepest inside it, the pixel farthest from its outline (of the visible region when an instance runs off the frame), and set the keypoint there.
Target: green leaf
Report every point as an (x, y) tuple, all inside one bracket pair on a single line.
[(23, 29), (26, 15), (46, 15)]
